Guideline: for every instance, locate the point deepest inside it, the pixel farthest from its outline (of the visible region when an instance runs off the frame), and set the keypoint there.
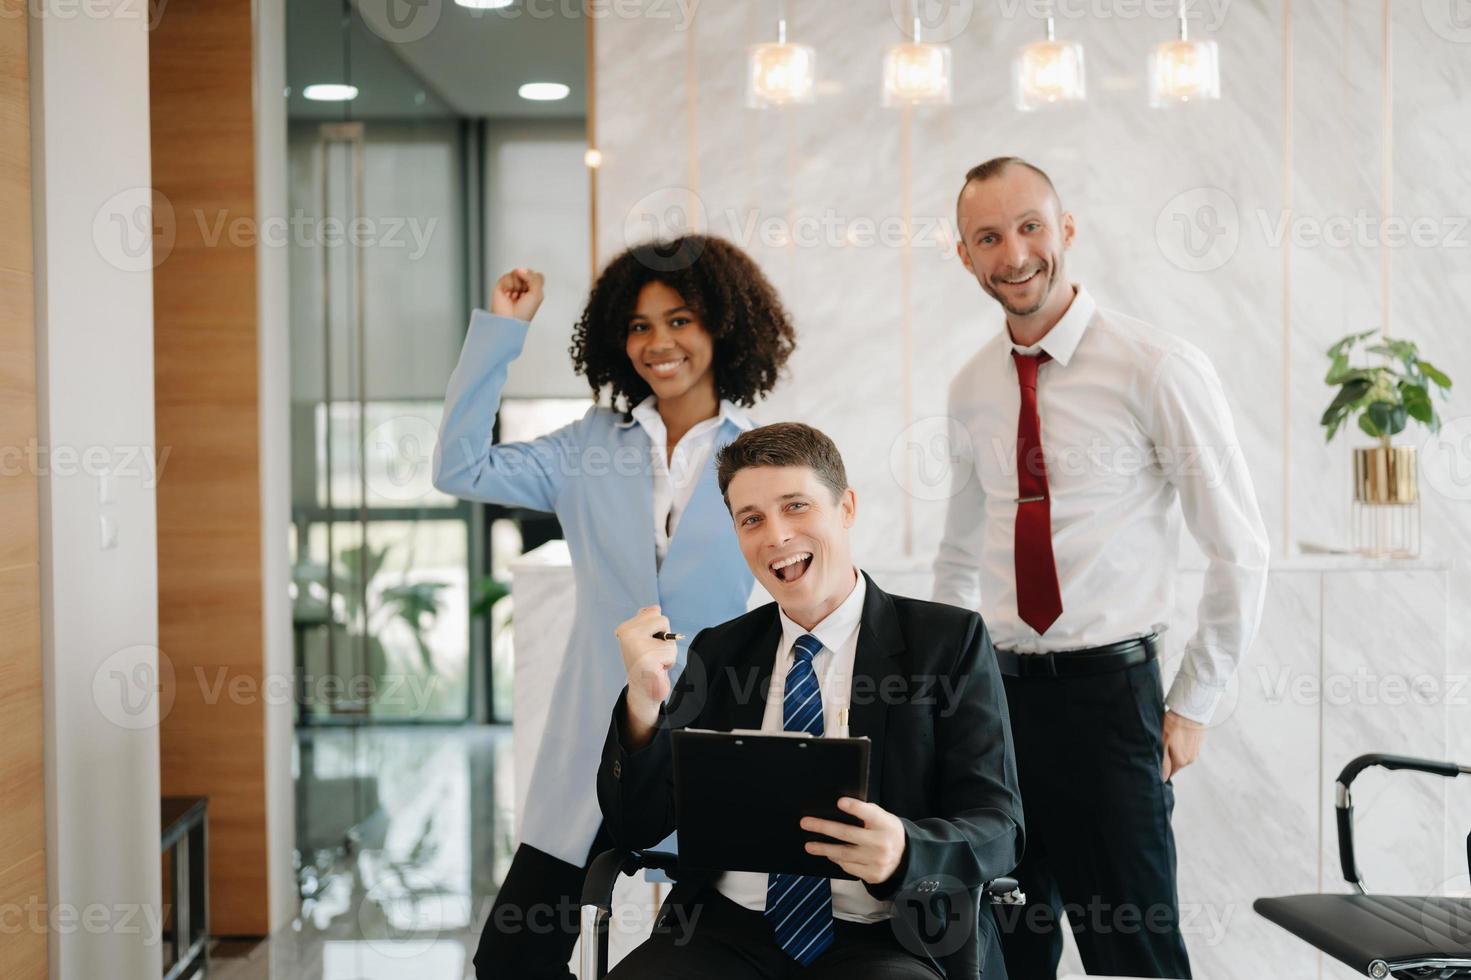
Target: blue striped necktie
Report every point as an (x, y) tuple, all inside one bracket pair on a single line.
[(800, 907)]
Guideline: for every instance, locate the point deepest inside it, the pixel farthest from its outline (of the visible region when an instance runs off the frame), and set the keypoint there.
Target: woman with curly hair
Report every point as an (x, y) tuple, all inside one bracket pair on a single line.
[(682, 334)]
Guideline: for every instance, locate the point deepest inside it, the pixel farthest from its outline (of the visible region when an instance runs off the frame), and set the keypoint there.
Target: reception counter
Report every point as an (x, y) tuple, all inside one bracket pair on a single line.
[(1352, 657)]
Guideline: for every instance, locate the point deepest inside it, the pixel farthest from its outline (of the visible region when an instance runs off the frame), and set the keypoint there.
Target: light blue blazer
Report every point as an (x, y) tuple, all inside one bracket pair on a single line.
[(596, 475)]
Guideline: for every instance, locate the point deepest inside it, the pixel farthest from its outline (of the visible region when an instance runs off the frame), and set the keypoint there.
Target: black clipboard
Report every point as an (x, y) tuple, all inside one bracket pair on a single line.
[(739, 798)]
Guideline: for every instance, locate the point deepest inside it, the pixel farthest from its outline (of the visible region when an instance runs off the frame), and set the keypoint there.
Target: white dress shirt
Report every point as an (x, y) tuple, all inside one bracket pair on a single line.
[(833, 666), (1132, 419), (675, 478)]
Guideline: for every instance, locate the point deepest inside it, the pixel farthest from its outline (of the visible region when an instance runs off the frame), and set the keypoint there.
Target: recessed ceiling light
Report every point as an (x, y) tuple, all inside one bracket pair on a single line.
[(330, 92), (485, 4), (543, 91)]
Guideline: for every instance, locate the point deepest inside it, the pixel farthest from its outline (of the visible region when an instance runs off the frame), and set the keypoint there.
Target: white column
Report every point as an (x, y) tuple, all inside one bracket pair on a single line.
[(274, 305), (94, 344)]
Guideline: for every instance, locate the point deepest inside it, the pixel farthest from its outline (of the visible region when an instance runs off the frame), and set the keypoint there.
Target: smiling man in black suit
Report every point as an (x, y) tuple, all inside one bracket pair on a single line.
[(833, 655)]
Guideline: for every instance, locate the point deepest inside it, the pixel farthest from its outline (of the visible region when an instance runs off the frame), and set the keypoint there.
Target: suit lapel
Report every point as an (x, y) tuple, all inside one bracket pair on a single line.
[(879, 657), (750, 675), (880, 643)]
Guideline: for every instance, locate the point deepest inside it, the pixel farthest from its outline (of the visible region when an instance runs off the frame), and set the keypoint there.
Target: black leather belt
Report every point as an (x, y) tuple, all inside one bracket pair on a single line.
[(1078, 663)]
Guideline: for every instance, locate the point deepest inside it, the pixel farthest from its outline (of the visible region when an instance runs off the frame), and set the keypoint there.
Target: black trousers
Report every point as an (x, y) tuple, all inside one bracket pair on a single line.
[(1099, 845), (534, 922), (714, 938)]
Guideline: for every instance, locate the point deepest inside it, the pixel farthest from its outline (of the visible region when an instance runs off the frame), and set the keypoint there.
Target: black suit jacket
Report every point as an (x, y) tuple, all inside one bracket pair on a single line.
[(927, 692)]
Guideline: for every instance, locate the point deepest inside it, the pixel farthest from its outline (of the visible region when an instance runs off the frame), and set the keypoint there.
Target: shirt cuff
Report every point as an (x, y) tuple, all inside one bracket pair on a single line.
[(491, 321), (495, 339), (1192, 698)]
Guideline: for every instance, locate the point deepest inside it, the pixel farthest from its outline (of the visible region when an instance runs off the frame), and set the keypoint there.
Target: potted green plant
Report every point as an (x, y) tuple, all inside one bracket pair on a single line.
[(376, 629), (1383, 399)]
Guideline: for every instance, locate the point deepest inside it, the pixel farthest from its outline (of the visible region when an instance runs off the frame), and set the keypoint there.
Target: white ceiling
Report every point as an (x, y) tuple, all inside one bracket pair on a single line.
[(436, 59)]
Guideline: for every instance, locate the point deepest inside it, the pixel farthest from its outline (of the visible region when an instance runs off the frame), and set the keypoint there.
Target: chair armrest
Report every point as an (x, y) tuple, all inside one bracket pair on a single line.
[(1363, 762), (1344, 804), (602, 874)]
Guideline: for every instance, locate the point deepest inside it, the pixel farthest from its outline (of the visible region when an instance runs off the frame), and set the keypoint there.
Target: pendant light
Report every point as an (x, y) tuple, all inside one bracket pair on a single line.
[(781, 73), (1183, 70), (1049, 72), (916, 73)]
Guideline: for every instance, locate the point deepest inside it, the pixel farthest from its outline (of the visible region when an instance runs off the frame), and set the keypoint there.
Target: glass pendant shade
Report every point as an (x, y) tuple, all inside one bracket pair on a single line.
[(780, 74), (1049, 72), (1183, 71), (917, 74)]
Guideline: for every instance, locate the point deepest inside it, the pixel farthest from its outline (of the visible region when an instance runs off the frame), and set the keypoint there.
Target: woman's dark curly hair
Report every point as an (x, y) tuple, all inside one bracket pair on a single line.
[(751, 330)]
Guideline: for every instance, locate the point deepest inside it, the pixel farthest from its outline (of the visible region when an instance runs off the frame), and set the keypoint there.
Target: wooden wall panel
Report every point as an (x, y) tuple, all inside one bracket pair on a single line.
[(206, 380), (22, 777)]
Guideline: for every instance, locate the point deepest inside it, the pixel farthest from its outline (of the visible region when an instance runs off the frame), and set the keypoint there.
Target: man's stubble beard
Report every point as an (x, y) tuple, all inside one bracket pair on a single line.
[(1053, 269)]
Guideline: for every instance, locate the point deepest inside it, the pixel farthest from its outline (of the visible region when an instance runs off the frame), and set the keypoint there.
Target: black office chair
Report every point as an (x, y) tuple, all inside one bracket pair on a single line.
[(597, 899), (1400, 936)]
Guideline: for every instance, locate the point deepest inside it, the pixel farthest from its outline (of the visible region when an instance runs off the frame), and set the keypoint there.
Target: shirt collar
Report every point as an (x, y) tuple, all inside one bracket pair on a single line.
[(646, 414), (837, 628), (1062, 340)]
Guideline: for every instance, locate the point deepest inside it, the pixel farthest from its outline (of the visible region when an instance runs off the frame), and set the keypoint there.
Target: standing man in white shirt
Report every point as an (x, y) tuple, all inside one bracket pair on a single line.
[(1085, 428)]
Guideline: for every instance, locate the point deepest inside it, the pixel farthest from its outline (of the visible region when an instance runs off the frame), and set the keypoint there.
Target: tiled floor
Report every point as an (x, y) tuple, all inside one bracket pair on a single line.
[(427, 811)]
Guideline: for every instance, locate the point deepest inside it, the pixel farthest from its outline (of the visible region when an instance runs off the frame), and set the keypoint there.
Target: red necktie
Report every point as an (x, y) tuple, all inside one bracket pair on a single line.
[(1038, 596)]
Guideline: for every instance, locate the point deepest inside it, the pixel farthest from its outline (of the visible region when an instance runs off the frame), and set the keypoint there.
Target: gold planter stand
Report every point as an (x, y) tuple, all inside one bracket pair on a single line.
[(1386, 511)]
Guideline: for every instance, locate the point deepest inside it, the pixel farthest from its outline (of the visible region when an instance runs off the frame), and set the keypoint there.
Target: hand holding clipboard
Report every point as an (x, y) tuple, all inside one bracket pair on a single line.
[(871, 851)]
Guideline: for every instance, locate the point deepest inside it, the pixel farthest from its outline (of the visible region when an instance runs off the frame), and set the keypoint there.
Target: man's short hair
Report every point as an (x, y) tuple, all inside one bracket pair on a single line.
[(994, 167), (782, 444)]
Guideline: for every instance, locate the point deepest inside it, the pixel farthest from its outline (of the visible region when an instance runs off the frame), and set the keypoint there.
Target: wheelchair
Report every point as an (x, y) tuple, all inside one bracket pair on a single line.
[(1381, 936), (602, 874)]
